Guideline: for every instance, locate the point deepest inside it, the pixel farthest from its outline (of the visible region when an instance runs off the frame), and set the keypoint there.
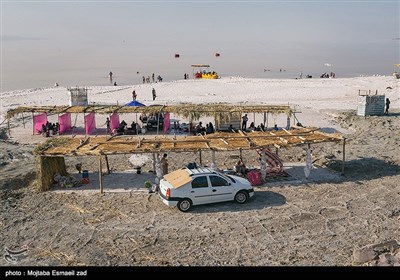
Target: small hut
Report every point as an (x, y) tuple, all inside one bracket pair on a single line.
[(78, 96)]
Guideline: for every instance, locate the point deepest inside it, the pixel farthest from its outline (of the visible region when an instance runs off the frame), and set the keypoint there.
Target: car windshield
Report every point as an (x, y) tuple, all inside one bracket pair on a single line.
[(227, 177)]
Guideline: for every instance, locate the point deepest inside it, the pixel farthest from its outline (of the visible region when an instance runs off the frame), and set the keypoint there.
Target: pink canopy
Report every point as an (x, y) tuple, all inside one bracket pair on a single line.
[(114, 121), (90, 123), (166, 122), (38, 120), (65, 122)]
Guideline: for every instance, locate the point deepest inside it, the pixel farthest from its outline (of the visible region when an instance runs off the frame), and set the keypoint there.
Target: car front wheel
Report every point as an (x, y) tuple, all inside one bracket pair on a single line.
[(241, 197), (184, 204)]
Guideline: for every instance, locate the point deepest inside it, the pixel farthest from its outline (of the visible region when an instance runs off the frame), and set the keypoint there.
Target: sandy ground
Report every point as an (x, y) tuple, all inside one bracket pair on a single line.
[(297, 221)]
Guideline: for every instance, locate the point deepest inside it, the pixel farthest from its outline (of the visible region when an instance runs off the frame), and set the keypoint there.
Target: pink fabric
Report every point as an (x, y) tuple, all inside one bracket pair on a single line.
[(65, 122), (90, 123), (114, 121), (254, 177), (38, 120), (166, 122)]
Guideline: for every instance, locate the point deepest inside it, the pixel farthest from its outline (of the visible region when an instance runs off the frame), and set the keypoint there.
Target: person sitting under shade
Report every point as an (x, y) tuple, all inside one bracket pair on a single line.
[(240, 167)]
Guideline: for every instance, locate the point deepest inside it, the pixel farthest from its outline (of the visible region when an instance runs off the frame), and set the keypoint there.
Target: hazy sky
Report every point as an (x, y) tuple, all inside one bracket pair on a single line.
[(81, 41)]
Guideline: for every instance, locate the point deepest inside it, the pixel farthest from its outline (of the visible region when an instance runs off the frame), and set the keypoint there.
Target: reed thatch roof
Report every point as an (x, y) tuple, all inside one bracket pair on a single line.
[(99, 145), (186, 110)]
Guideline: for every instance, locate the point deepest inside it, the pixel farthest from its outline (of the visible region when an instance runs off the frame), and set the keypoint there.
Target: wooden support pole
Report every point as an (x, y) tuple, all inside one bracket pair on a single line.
[(8, 127), (100, 175), (344, 155), (108, 166), (213, 164), (154, 163), (201, 162), (240, 152), (84, 122)]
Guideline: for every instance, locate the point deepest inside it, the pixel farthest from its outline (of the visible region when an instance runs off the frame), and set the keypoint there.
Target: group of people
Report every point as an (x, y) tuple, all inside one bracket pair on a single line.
[(123, 128), (252, 126), (50, 129), (200, 129), (153, 92), (148, 80), (326, 75)]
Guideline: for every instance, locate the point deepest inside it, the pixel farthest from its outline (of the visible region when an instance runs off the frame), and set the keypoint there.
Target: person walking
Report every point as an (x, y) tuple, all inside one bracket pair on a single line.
[(154, 94), (387, 106), (164, 164), (134, 95)]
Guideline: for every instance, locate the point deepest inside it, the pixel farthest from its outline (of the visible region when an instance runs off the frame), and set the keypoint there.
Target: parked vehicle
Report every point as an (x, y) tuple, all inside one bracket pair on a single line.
[(152, 120), (187, 187)]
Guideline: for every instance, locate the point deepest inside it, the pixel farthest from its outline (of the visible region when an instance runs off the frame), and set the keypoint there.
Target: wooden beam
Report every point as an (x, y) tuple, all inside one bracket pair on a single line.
[(83, 142), (108, 166), (344, 154), (251, 144), (201, 162), (288, 132), (207, 143), (223, 140), (283, 140), (100, 175), (277, 146)]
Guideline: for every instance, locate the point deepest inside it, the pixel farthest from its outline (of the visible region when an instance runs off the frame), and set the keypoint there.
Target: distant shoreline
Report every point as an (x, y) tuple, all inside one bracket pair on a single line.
[(106, 84)]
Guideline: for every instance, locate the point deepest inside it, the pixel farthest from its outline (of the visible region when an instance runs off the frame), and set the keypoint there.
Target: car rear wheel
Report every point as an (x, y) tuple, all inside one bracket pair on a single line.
[(241, 197), (184, 204)]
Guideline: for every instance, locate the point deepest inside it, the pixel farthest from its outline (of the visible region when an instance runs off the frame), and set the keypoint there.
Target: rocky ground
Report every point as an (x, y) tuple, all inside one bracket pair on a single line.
[(352, 221)]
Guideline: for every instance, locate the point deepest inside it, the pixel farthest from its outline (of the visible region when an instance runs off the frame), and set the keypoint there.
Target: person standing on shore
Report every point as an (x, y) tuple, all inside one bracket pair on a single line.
[(134, 95), (387, 106), (154, 94)]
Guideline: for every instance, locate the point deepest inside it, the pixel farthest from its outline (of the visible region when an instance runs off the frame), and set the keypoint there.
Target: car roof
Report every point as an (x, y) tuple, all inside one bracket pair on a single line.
[(200, 171), (185, 175)]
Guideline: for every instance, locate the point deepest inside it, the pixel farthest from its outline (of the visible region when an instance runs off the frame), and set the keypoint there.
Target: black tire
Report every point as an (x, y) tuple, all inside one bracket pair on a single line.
[(184, 205), (241, 197)]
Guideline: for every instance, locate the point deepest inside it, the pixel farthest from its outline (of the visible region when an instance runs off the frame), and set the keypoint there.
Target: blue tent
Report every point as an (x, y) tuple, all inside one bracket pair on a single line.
[(134, 103)]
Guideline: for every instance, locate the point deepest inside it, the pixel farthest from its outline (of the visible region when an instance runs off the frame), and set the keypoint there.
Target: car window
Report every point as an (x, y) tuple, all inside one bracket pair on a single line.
[(200, 182), (217, 181), (227, 177)]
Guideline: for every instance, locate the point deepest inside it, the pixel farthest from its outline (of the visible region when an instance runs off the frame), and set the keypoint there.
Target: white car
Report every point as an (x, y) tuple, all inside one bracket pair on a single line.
[(186, 187)]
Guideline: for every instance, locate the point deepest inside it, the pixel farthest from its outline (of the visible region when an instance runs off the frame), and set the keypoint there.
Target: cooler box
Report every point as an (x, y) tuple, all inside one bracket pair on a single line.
[(254, 177)]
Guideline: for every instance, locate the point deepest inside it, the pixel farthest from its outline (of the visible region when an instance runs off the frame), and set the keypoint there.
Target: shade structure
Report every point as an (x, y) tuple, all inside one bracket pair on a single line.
[(134, 103)]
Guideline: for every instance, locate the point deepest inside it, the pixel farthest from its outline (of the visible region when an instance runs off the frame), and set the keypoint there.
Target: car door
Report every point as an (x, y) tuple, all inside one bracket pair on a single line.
[(221, 188), (201, 192)]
